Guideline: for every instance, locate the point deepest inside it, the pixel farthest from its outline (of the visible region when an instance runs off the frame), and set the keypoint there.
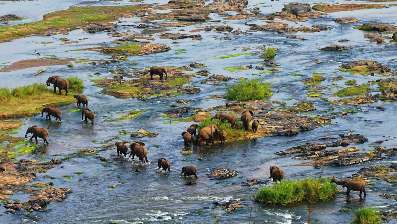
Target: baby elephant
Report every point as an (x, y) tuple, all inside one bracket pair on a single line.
[(276, 173), (355, 185), (206, 134), (158, 71), (255, 126), (81, 99), (52, 111), (59, 82), (189, 171), (37, 132), (87, 114), (121, 148), (138, 149), (187, 138), (164, 164)]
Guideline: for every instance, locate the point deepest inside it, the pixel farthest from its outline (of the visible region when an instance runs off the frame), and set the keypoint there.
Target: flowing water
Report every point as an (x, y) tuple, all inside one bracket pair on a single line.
[(113, 192)]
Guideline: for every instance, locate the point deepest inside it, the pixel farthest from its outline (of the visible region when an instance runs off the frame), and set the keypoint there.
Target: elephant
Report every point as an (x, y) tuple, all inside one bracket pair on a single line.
[(121, 148), (193, 129), (189, 171), (52, 111), (164, 164), (255, 125), (220, 135), (226, 117), (187, 138), (246, 118), (81, 99), (87, 114), (158, 71), (138, 149), (206, 134), (59, 82), (276, 173), (37, 132), (355, 185)]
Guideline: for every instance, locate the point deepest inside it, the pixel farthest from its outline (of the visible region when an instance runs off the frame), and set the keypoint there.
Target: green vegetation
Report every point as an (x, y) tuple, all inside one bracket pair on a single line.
[(367, 216), (315, 80), (13, 147), (247, 89), (76, 84), (135, 49), (360, 90), (235, 55), (130, 115), (269, 53), (235, 68), (358, 69), (28, 100), (351, 82), (294, 192), (178, 81), (231, 133), (68, 19)]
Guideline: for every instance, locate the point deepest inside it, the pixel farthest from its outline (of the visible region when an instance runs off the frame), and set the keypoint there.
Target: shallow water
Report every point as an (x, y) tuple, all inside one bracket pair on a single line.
[(113, 192)]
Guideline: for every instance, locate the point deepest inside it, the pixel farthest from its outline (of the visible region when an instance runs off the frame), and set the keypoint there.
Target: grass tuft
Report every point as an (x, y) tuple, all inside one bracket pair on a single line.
[(245, 89), (294, 192), (269, 53), (360, 90), (367, 216), (75, 84)]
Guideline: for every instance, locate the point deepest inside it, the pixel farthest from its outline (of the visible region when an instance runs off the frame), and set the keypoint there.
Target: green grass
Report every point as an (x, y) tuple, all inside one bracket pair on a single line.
[(360, 90), (235, 68), (28, 100), (269, 53), (67, 19), (130, 48), (178, 81), (367, 216), (294, 192), (351, 82), (231, 133), (245, 89), (75, 84), (235, 55), (315, 80)]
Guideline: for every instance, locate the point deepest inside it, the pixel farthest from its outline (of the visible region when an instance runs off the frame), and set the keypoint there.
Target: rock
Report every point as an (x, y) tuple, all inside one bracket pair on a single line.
[(178, 36), (215, 79), (366, 66), (190, 90), (253, 181), (282, 28), (7, 167), (375, 37), (141, 133), (335, 47), (229, 204), (203, 73), (97, 27), (222, 173), (196, 65), (394, 36), (378, 27), (224, 28), (297, 8), (346, 20), (9, 17), (388, 88)]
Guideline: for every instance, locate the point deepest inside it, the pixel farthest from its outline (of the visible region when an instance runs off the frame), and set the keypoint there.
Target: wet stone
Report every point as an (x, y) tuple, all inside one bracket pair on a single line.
[(97, 27), (297, 8), (222, 173), (346, 20), (229, 204), (178, 36), (335, 47)]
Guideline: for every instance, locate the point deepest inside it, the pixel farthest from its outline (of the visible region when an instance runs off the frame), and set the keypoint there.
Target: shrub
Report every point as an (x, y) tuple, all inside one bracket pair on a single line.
[(367, 216), (315, 80), (353, 91), (249, 90), (76, 84), (351, 82), (293, 192), (269, 53)]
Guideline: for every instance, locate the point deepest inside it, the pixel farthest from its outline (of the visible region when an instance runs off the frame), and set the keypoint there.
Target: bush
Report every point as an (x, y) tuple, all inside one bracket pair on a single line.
[(360, 90), (367, 216), (249, 90), (293, 192), (75, 84), (269, 53)]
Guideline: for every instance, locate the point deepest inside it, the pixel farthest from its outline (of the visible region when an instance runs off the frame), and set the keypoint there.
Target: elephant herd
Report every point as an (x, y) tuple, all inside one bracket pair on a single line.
[(54, 111), (211, 133)]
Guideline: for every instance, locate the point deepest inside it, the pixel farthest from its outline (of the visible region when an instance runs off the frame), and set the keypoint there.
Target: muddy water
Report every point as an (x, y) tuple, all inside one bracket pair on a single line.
[(112, 191)]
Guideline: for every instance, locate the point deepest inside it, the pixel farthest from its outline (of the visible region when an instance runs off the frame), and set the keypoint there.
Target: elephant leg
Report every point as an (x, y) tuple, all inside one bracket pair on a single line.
[(348, 192), (195, 175), (30, 139), (66, 90), (46, 141), (147, 161), (49, 117), (37, 142), (55, 89), (86, 120), (92, 121), (161, 77), (151, 76), (361, 193), (365, 193)]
